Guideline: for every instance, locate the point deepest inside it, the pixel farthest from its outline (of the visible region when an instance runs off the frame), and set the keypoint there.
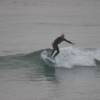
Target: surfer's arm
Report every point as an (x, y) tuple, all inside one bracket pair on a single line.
[(68, 41)]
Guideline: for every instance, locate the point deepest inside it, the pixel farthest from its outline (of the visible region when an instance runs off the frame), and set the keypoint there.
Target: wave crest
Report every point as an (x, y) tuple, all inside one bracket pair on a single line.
[(71, 56)]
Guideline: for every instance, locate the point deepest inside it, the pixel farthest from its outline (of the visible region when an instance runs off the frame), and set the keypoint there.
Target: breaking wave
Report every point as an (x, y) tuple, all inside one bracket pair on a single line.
[(67, 58), (71, 56)]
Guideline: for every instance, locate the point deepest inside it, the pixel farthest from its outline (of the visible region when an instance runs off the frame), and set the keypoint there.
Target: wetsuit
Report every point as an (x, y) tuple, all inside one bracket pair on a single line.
[(55, 45)]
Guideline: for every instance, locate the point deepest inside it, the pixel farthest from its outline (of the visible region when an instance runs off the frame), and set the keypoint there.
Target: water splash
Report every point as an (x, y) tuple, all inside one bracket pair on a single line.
[(71, 56)]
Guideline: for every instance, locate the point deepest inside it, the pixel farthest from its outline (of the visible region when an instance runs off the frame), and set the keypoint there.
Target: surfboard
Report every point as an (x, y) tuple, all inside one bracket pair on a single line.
[(47, 59)]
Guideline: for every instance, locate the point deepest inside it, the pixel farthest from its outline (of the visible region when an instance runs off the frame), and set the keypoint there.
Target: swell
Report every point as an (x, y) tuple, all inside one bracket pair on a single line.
[(21, 60)]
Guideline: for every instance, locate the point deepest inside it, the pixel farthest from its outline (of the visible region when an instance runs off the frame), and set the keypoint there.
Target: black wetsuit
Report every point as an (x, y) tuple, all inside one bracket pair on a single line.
[(55, 45)]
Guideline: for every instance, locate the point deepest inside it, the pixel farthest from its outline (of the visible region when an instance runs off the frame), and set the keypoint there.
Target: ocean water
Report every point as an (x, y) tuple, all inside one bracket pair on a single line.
[(27, 29)]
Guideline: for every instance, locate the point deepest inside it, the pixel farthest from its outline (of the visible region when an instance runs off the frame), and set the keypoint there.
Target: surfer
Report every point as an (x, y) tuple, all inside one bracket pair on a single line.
[(57, 41)]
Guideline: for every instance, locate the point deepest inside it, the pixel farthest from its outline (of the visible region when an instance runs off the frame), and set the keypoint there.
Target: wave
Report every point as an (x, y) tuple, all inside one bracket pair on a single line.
[(21, 60), (67, 58), (71, 56)]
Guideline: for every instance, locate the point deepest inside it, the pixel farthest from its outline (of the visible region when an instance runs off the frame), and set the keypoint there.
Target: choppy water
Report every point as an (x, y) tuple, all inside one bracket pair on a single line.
[(27, 27)]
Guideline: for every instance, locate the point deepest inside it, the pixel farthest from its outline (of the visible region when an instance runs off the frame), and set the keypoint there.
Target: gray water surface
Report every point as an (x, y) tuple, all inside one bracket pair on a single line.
[(30, 25)]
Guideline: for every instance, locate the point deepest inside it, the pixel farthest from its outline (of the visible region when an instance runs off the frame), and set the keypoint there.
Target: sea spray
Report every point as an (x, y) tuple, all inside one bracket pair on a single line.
[(71, 56)]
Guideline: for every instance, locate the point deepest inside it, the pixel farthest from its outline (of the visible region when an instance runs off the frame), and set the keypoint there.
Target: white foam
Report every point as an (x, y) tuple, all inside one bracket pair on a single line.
[(71, 56)]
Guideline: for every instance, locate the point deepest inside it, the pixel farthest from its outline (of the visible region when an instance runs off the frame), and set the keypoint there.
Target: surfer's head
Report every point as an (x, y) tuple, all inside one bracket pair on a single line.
[(62, 35)]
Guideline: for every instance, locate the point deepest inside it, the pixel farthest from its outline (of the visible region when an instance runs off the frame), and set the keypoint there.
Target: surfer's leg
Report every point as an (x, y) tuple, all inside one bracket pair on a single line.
[(54, 49), (52, 52), (56, 52)]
